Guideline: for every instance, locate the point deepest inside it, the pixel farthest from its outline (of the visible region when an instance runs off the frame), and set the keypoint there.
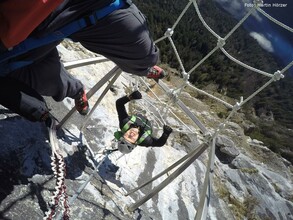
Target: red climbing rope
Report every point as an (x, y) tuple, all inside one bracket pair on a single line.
[(59, 198)]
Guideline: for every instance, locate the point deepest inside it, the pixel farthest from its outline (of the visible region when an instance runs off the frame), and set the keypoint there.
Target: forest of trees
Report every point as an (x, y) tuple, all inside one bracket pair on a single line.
[(193, 42)]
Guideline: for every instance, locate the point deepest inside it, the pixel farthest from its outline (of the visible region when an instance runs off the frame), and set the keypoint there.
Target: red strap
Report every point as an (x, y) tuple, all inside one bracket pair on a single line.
[(19, 18)]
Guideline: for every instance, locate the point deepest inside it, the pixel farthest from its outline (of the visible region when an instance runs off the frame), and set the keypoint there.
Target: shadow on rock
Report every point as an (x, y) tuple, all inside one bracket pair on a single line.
[(108, 170), (24, 153), (10, 175), (224, 158), (77, 162)]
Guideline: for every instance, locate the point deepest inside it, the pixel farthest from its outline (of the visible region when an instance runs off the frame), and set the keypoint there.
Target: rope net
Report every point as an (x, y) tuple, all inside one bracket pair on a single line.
[(174, 93)]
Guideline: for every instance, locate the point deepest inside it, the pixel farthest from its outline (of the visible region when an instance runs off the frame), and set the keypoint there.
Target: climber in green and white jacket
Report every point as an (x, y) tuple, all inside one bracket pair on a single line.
[(136, 129)]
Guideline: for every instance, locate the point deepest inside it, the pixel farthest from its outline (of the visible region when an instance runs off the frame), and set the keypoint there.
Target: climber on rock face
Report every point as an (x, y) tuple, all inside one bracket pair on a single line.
[(136, 129), (115, 29)]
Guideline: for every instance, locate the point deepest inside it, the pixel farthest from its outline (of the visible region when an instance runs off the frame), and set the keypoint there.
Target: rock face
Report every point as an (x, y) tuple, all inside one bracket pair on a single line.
[(264, 191), (226, 150), (249, 182)]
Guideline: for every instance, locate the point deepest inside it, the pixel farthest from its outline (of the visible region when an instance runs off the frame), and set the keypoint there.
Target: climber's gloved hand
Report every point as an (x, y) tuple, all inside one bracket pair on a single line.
[(135, 95), (167, 129)]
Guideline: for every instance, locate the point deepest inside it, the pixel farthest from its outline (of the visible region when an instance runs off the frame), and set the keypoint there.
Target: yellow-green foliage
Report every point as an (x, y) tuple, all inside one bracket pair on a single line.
[(249, 170), (244, 209), (240, 210), (276, 187)]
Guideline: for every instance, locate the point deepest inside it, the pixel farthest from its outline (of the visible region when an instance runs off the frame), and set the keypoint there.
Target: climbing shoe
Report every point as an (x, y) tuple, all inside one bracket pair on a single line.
[(156, 72), (81, 103)]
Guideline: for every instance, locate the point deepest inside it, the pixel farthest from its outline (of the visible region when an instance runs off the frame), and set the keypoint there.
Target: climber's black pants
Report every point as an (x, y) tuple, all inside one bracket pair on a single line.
[(21, 99)]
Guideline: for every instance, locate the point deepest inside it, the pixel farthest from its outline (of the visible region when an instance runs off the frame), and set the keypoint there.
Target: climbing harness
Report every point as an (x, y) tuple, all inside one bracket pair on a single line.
[(59, 198)]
